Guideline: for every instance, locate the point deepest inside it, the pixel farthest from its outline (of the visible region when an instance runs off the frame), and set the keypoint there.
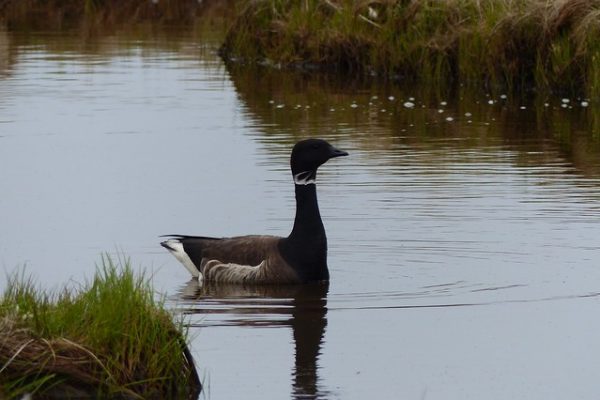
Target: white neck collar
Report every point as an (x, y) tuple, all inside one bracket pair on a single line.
[(305, 178)]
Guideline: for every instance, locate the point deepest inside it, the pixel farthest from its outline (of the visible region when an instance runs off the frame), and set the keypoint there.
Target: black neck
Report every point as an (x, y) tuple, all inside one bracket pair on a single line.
[(308, 219), (305, 249)]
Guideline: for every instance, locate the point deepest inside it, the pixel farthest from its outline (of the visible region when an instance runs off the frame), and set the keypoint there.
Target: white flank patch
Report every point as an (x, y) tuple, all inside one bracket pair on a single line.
[(304, 178), (182, 256), (215, 270)]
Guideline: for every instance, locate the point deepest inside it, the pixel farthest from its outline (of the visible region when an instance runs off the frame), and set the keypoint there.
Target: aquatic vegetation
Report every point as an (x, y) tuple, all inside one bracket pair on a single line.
[(552, 46), (108, 337)]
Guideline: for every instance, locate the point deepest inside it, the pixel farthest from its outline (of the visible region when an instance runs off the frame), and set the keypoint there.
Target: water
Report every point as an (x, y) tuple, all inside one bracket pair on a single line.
[(463, 250)]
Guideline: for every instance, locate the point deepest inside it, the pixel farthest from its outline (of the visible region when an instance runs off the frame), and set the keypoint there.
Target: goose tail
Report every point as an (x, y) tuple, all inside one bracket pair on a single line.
[(175, 247)]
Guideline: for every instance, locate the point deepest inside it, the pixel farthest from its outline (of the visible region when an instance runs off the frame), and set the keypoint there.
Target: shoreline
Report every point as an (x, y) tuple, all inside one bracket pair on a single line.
[(548, 47)]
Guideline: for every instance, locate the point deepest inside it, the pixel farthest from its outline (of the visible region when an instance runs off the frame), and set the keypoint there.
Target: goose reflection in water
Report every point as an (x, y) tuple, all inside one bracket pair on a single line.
[(301, 307)]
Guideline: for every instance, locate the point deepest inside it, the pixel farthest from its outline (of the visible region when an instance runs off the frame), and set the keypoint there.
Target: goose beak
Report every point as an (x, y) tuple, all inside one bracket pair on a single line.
[(333, 152)]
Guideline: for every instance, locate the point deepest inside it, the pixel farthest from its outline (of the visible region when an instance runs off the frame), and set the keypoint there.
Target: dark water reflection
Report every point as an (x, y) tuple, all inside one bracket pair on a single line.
[(303, 309), (290, 106), (463, 229)]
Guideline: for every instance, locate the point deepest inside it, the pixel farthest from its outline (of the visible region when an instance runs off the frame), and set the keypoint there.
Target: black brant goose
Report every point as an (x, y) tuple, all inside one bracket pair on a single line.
[(299, 258)]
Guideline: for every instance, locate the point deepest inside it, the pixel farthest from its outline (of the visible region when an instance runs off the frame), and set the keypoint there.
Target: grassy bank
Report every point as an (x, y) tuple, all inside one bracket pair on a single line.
[(104, 14), (109, 337), (552, 46)]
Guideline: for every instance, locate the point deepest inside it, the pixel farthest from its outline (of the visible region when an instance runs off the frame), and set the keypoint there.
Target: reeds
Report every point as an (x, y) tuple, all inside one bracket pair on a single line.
[(545, 45), (69, 14), (109, 337)]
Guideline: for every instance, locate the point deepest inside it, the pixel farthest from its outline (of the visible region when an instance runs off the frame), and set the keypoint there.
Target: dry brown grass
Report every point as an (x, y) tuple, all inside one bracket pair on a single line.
[(24, 354), (71, 368)]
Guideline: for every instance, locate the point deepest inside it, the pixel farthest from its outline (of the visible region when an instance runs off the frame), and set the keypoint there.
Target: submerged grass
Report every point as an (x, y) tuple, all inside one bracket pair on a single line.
[(109, 337), (551, 46)]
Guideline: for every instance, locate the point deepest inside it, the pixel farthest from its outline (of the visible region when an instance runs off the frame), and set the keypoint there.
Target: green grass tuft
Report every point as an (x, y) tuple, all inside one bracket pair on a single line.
[(109, 337)]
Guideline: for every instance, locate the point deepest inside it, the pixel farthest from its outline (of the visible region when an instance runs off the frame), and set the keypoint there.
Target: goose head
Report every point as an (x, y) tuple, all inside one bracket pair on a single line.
[(307, 156)]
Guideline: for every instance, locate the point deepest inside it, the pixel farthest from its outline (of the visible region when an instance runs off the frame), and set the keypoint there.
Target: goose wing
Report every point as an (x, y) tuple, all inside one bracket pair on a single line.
[(244, 253)]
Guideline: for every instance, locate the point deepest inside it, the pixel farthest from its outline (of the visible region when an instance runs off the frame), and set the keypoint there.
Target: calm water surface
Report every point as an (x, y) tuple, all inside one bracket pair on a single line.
[(464, 235)]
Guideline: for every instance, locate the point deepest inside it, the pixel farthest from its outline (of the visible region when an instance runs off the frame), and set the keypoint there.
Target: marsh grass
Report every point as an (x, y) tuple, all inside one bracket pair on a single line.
[(108, 337), (551, 46), (106, 14)]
